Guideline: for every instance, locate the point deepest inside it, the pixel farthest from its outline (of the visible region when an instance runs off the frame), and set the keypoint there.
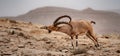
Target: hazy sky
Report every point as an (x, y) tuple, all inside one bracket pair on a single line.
[(17, 7)]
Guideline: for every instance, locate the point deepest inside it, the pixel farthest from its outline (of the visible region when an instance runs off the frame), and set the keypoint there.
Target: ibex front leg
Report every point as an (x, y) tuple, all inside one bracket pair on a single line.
[(76, 40), (72, 42)]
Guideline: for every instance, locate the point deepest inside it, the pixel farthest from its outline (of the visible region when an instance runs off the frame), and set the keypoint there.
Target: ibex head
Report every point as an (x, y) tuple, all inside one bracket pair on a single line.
[(55, 27)]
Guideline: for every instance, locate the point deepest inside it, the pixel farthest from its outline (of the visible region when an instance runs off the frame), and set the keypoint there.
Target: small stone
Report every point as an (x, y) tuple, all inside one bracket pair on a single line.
[(48, 42), (45, 39), (107, 37), (21, 46), (106, 50), (118, 51), (14, 49), (90, 52), (64, 50), (5, 40), (7, 53), (20, 34), (29, 52), (49, 54), (79, 51), (11, 32)]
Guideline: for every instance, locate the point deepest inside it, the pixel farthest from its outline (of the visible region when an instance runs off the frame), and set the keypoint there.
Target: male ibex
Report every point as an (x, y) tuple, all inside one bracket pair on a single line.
[(74, 28)]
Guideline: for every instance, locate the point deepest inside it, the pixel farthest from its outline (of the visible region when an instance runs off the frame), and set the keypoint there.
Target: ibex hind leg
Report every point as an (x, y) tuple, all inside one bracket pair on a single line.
[(88, 35), (94, 38), (91, 38)]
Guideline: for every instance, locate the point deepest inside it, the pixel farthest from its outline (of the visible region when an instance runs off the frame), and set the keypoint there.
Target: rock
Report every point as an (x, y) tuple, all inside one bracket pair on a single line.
[(15, 54), (106, 50), (11, 32), (7, 53), (14, 49), (3, 33), (28, 53), (21, 45), (79, 51), (45, 39), (5, 39), (118, 51), (107, 37), (16, 28), (48, 42), (21, 34), (35, 52), (49, 54), (12, 21), (90, 52), (42, 38), (64, 50)]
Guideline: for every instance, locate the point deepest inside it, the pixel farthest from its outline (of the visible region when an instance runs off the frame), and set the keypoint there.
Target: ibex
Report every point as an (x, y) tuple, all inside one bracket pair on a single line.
[(74, 28)]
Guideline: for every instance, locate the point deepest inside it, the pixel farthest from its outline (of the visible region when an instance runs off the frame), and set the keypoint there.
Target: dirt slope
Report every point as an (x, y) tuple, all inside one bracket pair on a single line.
[(27, 39)]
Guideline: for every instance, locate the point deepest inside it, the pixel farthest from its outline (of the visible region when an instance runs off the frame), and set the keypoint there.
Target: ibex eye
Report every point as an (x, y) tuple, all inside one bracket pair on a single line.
[(44, 27), (49, 31)]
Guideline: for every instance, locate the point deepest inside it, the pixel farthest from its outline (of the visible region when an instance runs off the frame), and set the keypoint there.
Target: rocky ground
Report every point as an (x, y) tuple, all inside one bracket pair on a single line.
[(27, 39)]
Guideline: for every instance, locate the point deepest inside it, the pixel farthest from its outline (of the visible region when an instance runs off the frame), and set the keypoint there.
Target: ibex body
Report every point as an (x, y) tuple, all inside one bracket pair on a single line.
[(74, 28)]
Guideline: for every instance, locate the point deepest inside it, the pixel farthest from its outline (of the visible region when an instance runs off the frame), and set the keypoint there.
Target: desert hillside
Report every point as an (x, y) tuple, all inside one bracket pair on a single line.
[(107, 21), (116, 10), (18, 38)]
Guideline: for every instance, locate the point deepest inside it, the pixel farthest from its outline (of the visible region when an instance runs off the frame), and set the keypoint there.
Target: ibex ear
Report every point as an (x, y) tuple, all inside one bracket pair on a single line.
[(44, 27)]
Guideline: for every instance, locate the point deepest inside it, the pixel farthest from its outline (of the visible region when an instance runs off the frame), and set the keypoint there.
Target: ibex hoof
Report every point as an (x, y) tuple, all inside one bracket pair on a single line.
[(97, 45)]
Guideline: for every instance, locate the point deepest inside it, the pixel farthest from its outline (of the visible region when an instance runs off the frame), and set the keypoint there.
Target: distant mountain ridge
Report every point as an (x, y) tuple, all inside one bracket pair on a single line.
[(116, 10), (107, 21)]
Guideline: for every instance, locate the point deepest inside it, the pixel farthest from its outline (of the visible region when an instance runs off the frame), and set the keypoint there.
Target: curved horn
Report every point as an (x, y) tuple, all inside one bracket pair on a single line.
[(63, 23), (61, 18)]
